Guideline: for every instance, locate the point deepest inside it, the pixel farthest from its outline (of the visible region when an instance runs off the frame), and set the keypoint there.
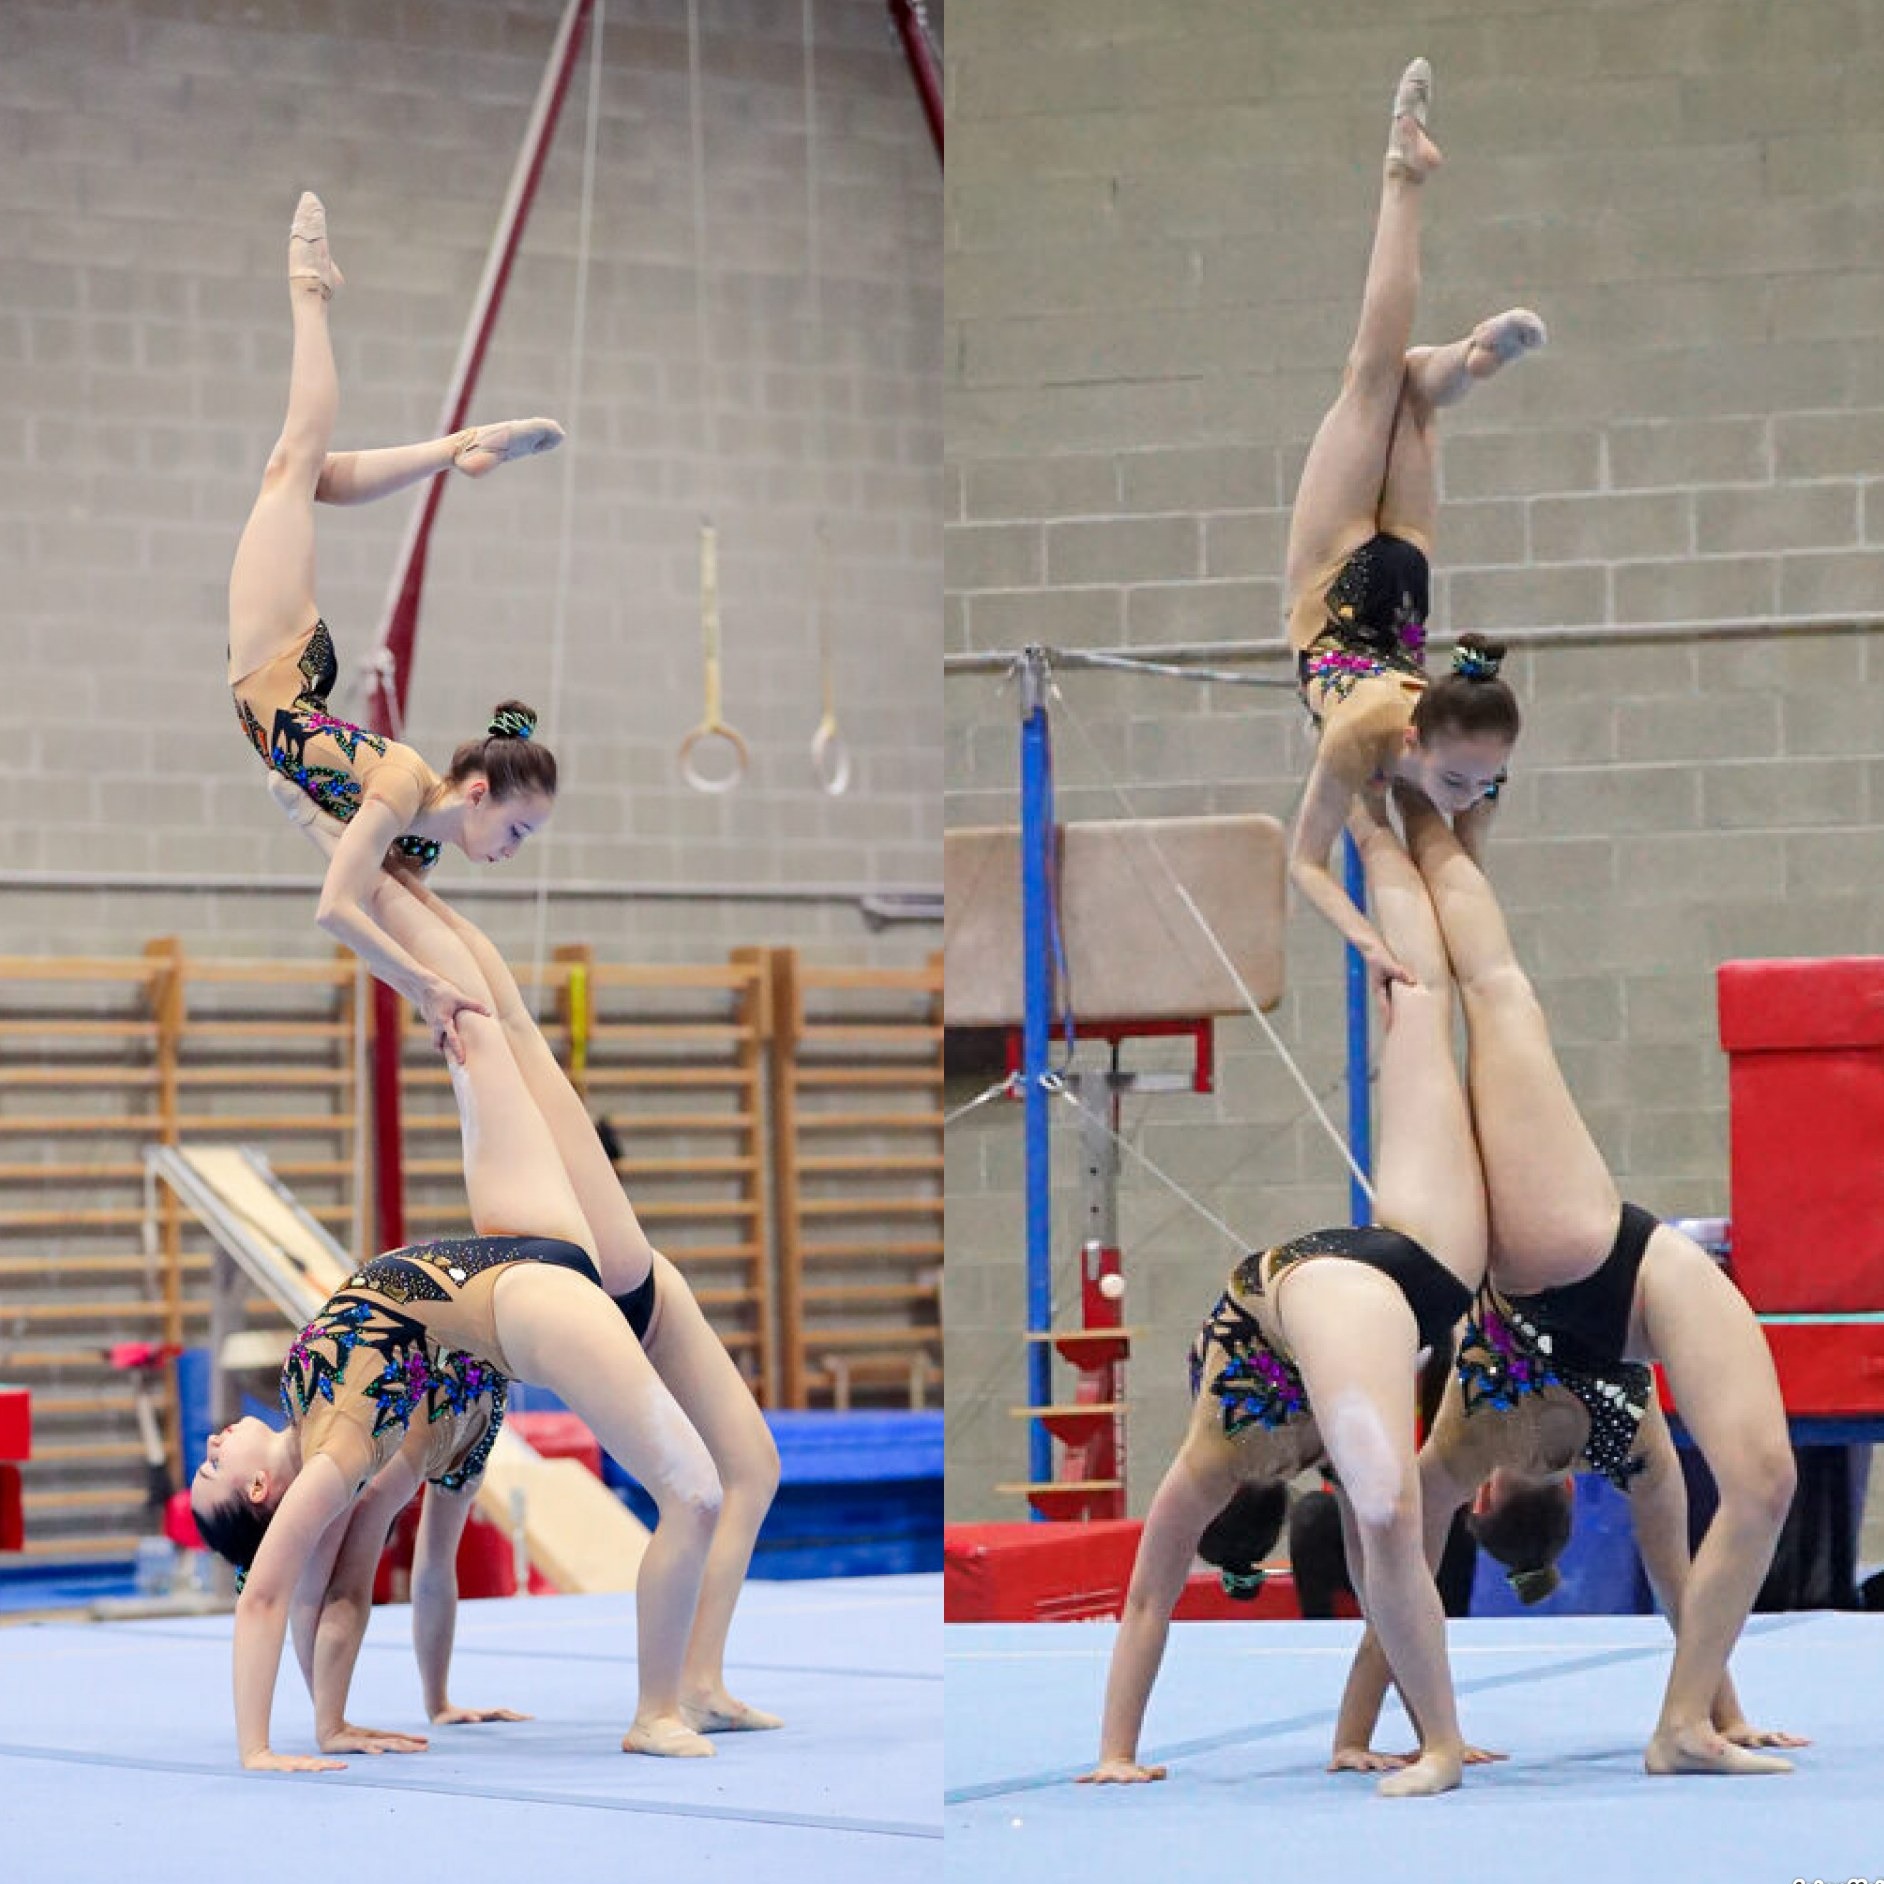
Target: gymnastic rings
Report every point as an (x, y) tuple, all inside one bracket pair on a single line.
[(713, 730), (830, 757)]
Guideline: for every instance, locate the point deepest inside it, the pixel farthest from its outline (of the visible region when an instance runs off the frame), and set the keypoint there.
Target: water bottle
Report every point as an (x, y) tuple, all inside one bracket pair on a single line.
[(156, 1566)]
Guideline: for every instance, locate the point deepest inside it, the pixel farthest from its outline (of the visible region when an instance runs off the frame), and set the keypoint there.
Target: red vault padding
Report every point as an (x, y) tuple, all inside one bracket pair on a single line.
[(1805, 1046), (1079, 1573)]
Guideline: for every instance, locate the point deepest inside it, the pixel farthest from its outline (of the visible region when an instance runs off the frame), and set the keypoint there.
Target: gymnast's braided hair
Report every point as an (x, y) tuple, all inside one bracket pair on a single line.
[(1242, 1534), (1526, 1531), (1471, 701), (508, 755)]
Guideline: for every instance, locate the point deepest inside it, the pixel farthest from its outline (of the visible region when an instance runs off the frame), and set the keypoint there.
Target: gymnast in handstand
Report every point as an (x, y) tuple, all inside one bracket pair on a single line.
[(498, 789), (1357, 576), (1311, 1352), (1583, 1291)]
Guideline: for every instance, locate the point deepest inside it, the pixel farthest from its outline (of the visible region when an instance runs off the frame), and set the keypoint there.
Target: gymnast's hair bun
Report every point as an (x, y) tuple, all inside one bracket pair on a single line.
[(512, 720), (1476, 658), (1532, 1586)]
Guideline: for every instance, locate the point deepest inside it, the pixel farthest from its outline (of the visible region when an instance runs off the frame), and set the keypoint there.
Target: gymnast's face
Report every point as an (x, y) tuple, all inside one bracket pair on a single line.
[(494, 828), (233, 1458), (1457, 770)]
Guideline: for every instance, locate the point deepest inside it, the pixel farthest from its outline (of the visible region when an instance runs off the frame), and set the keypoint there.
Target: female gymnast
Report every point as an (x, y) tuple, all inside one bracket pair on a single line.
[(1357, 573), (282, 667), (1583, 1288), (1510, 1428), (444, 1449), (530, 1305), (1303, 1358), (497, 791)]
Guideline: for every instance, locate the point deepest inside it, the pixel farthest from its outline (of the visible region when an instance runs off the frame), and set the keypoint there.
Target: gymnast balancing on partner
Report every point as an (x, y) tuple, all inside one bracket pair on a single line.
[(1582, 1290), (282, 665), (1357, 574), (1311, 1352), (689, 1361)]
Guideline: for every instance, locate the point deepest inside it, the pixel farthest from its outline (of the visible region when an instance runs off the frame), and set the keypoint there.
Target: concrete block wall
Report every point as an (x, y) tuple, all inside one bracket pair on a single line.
[(1157, 218), (152, 151)]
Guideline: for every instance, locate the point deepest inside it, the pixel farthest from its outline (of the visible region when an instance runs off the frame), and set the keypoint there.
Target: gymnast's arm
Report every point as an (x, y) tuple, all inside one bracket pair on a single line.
[(347, 1606), (355, 855), (1343, 770), (318, 1498), (1184, 1504), (1658, 1508), (442, 1519)]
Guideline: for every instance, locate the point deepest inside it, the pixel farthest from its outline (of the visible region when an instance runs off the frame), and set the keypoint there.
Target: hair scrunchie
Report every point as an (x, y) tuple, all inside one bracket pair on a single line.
[(1242, 1585), (1475, 663), (507, 723), (1532, 1586)]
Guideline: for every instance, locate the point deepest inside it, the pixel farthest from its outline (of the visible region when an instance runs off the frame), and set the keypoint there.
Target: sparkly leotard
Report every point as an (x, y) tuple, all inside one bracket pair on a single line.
[(1504, 1358), (359, 1379), (411, 1335), (1373, 610), (1260, 1386), (288, 695), (1256, 1386)]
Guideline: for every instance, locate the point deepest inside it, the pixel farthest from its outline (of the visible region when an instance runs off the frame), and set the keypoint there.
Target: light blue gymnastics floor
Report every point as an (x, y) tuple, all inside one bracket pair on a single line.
[(117, 1752), (1243, 1715)]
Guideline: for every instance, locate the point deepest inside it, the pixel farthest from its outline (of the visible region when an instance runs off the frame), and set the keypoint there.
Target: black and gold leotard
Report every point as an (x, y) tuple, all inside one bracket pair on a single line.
[(1573, 1336), (1372, 611), (1505, 1359), (1260, 1385), (349, 765)]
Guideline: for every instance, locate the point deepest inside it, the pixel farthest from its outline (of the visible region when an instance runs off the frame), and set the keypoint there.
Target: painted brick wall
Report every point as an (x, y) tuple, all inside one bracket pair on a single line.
[(1157, 218), (152, 151)]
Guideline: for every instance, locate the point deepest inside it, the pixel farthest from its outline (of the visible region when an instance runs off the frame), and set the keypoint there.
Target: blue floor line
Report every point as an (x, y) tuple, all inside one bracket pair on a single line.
[(358, 1778)]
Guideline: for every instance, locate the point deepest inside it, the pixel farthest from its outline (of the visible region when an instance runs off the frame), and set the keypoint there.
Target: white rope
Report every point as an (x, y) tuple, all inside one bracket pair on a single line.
[(697, 132), (1056, 1085), (1216, 946), (565, 556), (830, 758), (1001, 1089)]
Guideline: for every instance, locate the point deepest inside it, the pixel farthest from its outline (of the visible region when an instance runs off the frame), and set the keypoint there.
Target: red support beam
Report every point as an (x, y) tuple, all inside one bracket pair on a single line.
[(389, 666), (906, 17)]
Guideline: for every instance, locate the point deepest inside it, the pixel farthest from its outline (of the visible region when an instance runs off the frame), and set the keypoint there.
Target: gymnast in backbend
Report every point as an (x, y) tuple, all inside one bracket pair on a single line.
[(1311, 1351), (1583, 1290), (1357, 575)]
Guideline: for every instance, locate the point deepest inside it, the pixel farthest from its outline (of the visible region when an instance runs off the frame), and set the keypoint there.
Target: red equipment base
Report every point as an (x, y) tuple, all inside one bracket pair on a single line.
[(1805, 1045), (1078, 1573)]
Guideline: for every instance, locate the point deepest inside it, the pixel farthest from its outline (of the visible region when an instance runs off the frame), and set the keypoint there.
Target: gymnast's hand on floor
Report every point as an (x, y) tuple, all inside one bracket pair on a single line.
[(347, 1738), (1118, 1772), (451, 1715), (269, 1762), (1366, 1760), (1742, 1734)]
